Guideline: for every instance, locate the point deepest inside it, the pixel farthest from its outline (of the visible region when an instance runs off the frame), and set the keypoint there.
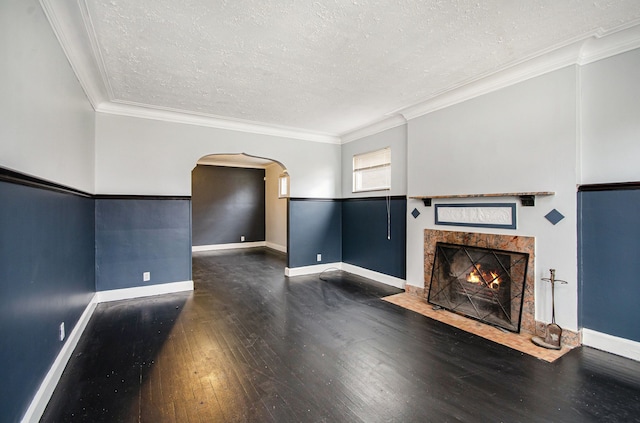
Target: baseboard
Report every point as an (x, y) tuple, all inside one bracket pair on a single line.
[(277, 247), (50, 381), (360, 271), (143, 291), (310, 270), (376, 276), (232, 246), (613, 344)]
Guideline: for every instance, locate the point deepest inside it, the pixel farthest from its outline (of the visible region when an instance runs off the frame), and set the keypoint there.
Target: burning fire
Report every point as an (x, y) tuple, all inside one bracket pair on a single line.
[(490, 278)]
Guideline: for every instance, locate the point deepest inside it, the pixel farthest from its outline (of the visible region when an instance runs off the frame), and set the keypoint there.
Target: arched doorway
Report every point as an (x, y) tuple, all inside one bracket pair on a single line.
[(239, 201)]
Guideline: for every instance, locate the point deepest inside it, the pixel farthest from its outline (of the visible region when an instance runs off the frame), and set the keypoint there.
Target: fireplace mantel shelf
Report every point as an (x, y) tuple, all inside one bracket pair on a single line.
[(527, 198)]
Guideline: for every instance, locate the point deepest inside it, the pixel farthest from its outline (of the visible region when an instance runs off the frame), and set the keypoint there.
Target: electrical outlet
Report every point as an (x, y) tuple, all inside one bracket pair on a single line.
[(242, 238), (61, 332), (146, 276), (318, 257)]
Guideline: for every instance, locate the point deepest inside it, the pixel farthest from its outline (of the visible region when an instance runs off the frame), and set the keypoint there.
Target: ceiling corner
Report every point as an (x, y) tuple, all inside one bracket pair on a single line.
[(68, 24)]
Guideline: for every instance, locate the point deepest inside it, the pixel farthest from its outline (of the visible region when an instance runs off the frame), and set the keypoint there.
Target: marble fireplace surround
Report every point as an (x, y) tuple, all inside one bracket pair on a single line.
[(524, 244)]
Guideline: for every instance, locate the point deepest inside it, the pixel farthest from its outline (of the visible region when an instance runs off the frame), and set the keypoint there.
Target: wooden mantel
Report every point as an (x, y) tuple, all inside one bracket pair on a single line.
[(527, 198)]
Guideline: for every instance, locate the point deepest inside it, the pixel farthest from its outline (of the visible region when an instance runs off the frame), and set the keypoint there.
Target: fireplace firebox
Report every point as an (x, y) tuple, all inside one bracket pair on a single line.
[(481, 283)]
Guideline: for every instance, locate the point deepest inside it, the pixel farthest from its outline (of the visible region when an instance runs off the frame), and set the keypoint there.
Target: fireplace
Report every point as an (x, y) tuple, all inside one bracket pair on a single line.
[(485, 284), (503, 242)]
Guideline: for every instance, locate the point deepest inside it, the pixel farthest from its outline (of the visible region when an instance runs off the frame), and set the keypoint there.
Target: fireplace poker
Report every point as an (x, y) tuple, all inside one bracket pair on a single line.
[(553, 332)]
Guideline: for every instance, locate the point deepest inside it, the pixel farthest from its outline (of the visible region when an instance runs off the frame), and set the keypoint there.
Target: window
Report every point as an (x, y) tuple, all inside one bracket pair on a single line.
[(372, 171), (283, 185)]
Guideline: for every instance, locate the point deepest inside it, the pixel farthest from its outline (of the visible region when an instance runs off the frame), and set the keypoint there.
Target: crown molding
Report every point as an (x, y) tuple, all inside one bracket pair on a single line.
[(374, 128), (95, 49), (69, 18), (581, 51), (71, 23), (168, 115), (601, 45), (67, 22)]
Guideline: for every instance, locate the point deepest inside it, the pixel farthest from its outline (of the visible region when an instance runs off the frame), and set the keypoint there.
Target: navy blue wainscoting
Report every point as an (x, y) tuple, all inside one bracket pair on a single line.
[(609, 255), (365, 225), (137, 235), (314, 228), (46, 277), (227, 203)]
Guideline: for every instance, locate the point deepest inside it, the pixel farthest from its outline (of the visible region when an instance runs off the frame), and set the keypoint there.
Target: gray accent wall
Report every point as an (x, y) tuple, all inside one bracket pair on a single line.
[(609, 265), (137, 235), (353, 231), (228, 202), (374, 234), (315, 227), (46, 278)]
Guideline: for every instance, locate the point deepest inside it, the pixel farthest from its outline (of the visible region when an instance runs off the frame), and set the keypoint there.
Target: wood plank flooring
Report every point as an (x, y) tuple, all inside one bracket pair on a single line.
[(250, 345)]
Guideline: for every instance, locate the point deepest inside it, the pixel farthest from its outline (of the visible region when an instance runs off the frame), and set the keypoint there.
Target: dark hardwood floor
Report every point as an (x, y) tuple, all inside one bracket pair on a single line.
[(250, 345)]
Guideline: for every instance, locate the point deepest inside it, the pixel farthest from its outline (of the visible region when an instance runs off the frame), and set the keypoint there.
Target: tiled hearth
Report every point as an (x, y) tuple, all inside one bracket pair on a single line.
[(525, 244), (517, 341)]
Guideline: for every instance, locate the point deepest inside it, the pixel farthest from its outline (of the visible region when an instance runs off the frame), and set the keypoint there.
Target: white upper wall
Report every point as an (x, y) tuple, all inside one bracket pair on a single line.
[(520, 138), (611, 119), (396, 138), (149, 157), (47, 126)]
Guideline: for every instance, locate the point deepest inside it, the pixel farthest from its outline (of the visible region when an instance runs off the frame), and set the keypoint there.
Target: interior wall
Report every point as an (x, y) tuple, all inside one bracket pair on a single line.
[(275, 210), (315, 227), (609, 217), (396, 138), (227, 204), (137, 235), (518, 139), (47, 126), (46, 278), (367, 217), (374, 234), (149, 157), (610, 125), (609, 265), (46, 237)]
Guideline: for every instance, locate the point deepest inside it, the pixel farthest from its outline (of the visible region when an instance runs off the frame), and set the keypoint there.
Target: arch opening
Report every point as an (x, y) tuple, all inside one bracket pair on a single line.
[(238, 202)]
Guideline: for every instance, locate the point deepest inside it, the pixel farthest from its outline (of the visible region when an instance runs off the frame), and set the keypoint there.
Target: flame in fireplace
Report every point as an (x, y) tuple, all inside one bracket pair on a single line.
[(491, 279)]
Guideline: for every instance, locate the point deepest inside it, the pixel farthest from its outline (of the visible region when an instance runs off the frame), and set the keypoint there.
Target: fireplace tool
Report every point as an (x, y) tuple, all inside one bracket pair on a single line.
[(553, 332)]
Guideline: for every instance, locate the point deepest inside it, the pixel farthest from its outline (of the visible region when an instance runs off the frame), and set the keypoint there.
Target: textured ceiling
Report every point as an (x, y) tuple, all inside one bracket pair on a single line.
[(324, 66)]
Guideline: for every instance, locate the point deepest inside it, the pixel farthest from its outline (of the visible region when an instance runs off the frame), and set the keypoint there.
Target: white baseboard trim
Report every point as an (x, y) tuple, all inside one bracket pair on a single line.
[(143, 291), (276, 247), (613, 344), (232, 246), (376, 276), (310, 270), (50, 381), (360, 271)]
